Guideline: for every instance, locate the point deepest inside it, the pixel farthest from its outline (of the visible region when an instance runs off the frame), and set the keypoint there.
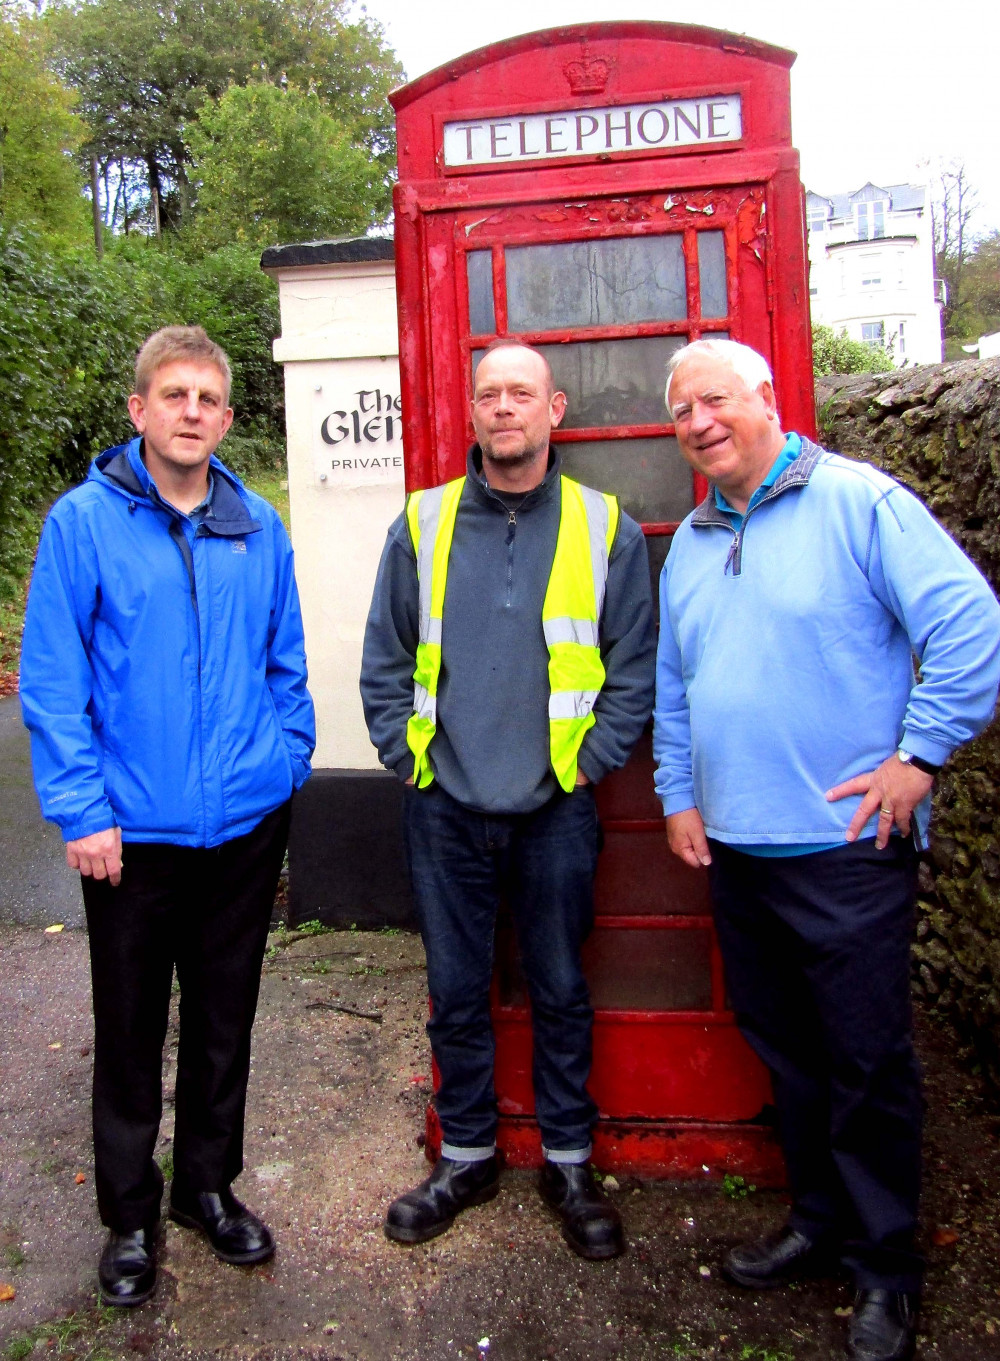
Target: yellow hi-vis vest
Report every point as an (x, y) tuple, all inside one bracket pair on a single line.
[(571, 614)]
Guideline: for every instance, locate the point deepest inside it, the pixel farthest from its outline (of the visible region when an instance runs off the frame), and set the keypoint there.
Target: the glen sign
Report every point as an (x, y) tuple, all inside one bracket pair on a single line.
[(360, 432)]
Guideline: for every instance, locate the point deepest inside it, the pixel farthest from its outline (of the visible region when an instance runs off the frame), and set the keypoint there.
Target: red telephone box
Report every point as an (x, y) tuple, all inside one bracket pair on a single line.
[(608, 192)]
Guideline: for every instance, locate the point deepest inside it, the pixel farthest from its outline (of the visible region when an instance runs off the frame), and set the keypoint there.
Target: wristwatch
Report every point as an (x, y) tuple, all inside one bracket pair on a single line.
[(908, 759)]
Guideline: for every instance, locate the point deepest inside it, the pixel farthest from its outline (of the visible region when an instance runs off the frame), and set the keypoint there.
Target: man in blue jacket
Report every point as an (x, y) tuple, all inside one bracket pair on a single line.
[(796, 754), (163, 680), (508, 666)]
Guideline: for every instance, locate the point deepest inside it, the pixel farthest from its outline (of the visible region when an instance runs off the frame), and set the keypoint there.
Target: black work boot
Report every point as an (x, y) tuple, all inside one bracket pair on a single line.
[(127, 1269), (590, 1223), (235, 1234), (780, 1257), (883, 1326), (431, 1207)]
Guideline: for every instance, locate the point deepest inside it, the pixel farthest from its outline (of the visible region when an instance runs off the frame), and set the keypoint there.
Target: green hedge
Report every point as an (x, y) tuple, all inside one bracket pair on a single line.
[(70, 326)]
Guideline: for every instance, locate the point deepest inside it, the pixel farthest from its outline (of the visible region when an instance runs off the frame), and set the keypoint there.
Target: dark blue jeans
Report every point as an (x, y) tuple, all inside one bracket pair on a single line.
[(543, 862), (817, 956)]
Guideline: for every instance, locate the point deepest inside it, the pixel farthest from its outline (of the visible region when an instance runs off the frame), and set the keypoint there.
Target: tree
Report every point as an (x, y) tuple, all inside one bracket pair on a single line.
[(952, 207), (143, 68), (834, 353), (981, 283), (271, 165), (39, 132)]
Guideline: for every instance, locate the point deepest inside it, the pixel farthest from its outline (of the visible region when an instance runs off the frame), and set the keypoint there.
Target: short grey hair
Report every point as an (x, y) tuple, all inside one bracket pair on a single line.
[(745, 362)]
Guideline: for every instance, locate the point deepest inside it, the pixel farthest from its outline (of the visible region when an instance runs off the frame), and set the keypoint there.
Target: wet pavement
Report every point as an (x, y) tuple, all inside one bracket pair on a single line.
[(341, 1076)]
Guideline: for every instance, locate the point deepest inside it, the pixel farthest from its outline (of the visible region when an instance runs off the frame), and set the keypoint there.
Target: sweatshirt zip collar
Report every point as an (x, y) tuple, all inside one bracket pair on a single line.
[(708, 515)]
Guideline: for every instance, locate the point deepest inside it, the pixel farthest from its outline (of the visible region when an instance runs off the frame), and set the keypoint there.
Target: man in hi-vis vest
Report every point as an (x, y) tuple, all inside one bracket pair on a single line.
[(508, 666)]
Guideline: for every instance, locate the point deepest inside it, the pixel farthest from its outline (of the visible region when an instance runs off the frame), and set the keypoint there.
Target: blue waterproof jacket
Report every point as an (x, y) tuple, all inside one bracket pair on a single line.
[(163, 673)]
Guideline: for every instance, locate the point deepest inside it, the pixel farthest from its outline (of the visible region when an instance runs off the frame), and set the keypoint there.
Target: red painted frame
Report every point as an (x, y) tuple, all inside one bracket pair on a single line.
[(676, 1089)]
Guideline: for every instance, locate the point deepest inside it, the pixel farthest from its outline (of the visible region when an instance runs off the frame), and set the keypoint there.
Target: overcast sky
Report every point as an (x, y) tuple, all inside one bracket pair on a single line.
[(882, 90)]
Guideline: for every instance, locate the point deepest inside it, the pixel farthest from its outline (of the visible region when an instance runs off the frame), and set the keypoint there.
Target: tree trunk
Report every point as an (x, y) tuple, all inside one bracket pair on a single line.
[(96, 208)]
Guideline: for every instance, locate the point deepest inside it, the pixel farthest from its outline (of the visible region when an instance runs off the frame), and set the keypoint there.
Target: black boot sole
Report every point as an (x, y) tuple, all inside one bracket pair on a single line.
[(125, 1301), (822, 1268), (398, 1233), (263, 1254)]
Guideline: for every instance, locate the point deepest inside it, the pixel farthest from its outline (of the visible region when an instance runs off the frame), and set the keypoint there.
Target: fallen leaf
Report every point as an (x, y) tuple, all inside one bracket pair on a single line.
[(54, 930), (57, 1045), (705, 1271), (7, 1291), (80, 1178), (943, 1238), (845, 1311)]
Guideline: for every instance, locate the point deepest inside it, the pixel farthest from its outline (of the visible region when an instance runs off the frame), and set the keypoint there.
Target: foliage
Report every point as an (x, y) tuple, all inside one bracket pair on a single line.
[(834, 353), (981, 285), (272, 165), (143, 68), (736, 1187), (39, 132), (70, 327)]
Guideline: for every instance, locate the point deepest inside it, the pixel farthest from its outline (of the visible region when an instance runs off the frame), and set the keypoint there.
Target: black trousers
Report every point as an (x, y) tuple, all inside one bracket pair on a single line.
[(207, 912), (817, 957)]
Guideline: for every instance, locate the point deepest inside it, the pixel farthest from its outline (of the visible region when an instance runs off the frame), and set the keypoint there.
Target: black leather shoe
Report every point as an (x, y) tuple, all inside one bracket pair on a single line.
[(127, 1269), (591, 1224), (780, 1257), (883, 1326), (431, 1207), (235, 1234)]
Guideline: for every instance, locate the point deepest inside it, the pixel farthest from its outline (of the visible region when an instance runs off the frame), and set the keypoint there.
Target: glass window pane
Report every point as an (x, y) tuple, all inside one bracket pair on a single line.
[(712, 273), (657, 548), (650, 476), (655, 970), (613, 382), (596, 283), (479, 266)]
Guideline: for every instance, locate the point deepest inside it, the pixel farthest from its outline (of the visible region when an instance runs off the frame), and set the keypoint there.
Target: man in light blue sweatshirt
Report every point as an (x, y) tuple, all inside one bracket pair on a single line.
[(796, 751)]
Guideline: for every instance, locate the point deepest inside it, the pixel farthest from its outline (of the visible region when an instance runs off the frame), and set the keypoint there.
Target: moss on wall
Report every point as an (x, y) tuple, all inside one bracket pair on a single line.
[(937, 429)]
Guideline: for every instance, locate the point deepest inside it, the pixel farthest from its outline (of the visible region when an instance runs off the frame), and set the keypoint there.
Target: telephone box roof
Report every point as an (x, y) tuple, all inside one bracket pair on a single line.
[(615, 31)]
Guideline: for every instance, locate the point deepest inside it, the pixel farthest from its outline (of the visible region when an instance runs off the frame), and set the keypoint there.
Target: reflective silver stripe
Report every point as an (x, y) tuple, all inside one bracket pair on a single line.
[(572, 703), (424, 704), (428, 515), (597, 523), (433, 632), (565, 630)]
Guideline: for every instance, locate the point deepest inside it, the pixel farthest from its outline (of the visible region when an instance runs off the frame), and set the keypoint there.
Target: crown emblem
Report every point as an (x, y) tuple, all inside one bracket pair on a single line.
[(588, 76)]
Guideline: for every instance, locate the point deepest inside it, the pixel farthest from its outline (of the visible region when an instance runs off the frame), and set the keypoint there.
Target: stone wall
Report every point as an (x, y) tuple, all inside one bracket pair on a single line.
[(937, 429)]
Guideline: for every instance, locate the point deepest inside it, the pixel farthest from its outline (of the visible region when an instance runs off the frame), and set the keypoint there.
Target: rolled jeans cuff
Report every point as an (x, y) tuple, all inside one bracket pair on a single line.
[(468, 1155), (571, 1157)]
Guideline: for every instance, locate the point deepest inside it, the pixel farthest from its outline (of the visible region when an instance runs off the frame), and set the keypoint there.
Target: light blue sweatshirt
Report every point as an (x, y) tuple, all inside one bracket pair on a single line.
[(785, 662)]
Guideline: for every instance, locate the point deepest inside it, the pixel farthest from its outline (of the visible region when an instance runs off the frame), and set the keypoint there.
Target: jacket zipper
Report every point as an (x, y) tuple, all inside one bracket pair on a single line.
[(735, 557), (511, 529)]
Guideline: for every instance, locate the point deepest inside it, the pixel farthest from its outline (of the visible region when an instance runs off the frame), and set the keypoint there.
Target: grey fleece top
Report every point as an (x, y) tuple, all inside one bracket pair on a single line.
[(491, 748)]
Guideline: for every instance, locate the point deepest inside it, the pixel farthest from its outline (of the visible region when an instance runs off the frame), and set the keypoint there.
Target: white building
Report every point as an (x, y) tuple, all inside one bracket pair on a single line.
[(871, 269)]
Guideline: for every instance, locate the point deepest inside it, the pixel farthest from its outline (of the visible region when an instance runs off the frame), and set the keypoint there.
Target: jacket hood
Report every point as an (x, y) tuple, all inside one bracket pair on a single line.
[(122, 469)]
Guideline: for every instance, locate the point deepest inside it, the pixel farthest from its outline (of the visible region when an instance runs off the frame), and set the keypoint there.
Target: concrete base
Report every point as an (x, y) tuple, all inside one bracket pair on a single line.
[(345, 854)]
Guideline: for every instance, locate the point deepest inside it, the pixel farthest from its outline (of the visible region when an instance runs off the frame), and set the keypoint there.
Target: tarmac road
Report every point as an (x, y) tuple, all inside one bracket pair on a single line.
[(37, 888)]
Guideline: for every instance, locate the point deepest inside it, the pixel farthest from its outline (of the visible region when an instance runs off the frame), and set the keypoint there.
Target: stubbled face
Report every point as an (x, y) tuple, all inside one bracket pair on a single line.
[(514, 409), (182, 417), (727, 431)]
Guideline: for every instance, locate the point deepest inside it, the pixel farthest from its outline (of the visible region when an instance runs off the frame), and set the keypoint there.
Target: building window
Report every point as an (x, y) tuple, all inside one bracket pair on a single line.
[(871, 220), (871, 271), (873, 332), (817, 219), (901, 340)]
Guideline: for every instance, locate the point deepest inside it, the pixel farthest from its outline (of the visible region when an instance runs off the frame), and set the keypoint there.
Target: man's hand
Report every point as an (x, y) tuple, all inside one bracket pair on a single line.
[(893, 791), (581, 778), (99, 854), (686, 837)]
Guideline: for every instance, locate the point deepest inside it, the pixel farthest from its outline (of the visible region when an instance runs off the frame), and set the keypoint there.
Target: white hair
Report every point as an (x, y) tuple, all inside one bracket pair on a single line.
[(744, 362)]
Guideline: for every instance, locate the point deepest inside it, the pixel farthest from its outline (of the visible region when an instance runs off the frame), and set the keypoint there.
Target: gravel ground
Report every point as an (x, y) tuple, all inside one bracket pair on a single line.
[(335, 1113)]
